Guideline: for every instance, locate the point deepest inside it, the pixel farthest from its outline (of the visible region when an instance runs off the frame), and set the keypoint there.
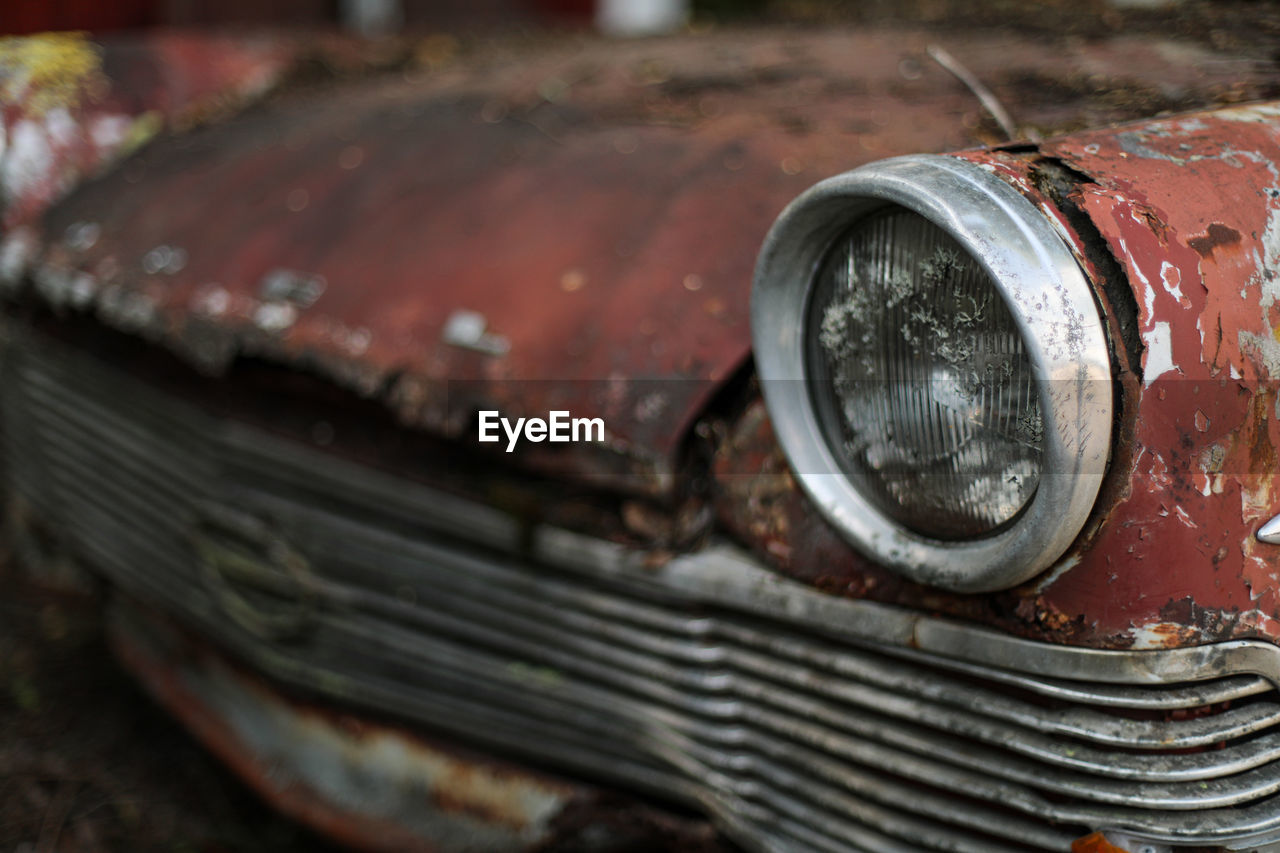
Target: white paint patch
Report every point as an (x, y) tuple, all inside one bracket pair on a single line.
[(1183, 517), (1266, 625), (28, 161), (17, 248), (1158, 359), (1263, 569), (1148, 293), (1270, 256), (1264, 345), (1251, 114), (1173, 283), (1207, 488), (61, 127), (1158, 477), (110, 132)]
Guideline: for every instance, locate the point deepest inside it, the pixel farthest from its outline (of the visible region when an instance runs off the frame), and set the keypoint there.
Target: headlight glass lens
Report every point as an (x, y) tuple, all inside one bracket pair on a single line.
[(920, 379)]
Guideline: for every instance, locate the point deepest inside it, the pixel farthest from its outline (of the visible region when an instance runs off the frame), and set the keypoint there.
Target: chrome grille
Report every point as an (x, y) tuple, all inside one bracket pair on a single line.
[(799, 721)]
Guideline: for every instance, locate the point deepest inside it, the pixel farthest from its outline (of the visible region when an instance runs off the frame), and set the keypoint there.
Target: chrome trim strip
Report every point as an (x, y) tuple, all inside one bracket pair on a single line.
[(1270, 532), (1053, 305), (1227, 689)]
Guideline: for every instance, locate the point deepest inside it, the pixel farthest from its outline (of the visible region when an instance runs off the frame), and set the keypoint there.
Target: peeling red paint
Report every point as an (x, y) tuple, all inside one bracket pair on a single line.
[(1188, 209)]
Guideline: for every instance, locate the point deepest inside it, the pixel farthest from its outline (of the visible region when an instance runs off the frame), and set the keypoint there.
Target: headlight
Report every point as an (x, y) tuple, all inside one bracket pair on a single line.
[(920, 379), (936, 370)]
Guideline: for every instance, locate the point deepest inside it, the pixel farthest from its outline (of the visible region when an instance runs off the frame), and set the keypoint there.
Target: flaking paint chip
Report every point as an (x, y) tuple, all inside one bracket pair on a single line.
[(467, 329)]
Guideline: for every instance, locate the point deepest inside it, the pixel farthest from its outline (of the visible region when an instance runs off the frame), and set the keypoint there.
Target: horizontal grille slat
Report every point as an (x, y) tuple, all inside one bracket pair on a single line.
[(1226, 689), (1082, 723), (812, 739)]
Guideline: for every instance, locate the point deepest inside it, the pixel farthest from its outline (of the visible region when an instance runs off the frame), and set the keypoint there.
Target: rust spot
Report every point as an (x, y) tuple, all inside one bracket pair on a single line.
[(1262, 454), (1156, 224), (1181, 611), (1045, 617), (1214, 236), (1095, 843)]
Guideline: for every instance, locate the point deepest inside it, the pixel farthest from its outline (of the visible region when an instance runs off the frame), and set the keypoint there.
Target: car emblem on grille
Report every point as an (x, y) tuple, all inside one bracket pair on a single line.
[(252, 574)]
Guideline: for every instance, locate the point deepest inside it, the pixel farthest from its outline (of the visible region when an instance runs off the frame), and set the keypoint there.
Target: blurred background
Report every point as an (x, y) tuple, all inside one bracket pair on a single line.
[(1223, 22)]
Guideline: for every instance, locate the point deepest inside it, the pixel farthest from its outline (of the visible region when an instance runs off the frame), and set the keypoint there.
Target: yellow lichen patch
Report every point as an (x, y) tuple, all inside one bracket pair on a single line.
[(49, 70), (141, 131)]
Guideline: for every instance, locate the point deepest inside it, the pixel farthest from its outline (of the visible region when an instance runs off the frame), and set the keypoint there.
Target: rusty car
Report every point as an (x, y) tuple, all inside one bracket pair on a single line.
[(924, 500)]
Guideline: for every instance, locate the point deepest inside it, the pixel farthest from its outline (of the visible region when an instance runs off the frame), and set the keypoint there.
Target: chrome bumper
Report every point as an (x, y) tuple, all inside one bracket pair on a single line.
[(797, 720)]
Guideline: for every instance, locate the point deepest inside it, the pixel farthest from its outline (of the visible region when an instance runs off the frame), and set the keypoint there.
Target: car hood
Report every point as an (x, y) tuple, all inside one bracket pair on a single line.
[(526, 227)]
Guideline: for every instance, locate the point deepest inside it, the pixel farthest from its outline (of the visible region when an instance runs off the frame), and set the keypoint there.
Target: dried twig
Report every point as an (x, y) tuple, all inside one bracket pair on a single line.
[(984, 95)]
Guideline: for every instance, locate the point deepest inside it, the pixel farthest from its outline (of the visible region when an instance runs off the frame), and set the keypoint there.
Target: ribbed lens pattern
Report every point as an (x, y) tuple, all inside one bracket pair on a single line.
[(922, 380)]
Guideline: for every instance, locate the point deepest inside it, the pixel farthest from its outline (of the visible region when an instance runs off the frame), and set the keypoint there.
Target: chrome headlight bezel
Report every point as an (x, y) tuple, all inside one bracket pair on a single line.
[(1053, 307)]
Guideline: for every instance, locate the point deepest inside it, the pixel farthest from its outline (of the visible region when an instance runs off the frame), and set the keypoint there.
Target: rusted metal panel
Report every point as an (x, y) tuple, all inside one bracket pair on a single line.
[(1185, 208), (1188, 206), (539, 229)]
